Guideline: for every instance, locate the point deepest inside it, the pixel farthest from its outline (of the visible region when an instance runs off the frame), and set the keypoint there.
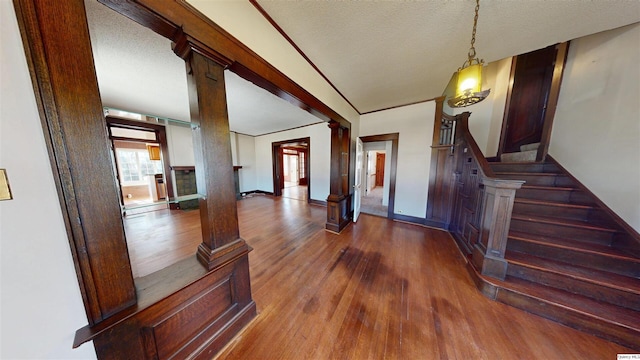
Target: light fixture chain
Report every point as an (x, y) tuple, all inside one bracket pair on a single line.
[(472, 50)]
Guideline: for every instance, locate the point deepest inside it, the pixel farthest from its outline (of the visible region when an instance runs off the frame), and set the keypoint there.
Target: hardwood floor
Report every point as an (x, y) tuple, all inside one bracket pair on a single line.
[(160, 238), (381, 289), (298, 192)]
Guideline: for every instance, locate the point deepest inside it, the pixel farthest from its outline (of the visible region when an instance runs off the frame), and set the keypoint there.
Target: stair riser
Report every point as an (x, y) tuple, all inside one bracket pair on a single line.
[(542, 180), (557, 195), (524, 167), (561, 231), (585, 259), (551, 211), (610, 331), (576, 286)]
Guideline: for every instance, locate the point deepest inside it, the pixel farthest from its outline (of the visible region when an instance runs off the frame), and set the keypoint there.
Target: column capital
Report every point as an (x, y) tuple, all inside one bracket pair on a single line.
[(184, 45)]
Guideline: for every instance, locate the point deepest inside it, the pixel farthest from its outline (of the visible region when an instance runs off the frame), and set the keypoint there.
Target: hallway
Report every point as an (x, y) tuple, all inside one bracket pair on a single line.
[(372, 203)]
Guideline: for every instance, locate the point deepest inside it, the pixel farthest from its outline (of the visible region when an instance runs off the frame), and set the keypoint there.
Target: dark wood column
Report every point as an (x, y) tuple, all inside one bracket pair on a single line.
[(221, 240), (338, 209), (58, 51)]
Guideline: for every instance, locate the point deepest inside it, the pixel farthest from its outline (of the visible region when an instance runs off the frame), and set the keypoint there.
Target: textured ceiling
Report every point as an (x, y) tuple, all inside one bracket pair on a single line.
[(138, 72), (381, 54), (378, 54)]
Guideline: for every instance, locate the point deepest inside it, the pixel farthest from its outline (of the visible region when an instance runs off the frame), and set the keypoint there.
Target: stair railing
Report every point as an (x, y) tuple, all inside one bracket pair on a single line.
[(479, 205)]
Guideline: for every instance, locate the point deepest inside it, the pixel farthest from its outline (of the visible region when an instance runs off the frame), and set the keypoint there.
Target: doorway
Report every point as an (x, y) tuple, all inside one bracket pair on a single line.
[(291, 169), (379, 174), (140, 165), (375, 198), (531, 101)]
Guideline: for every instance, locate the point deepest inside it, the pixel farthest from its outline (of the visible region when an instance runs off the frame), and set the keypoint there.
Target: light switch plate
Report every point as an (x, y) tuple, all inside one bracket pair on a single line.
[(5, 190)]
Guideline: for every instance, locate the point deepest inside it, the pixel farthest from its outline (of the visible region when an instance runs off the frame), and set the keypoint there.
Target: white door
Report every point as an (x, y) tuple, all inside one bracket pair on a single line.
[(357, 193)]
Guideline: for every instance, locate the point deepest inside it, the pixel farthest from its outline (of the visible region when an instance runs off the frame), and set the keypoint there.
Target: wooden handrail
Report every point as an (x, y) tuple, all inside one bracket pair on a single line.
[(462, 129)]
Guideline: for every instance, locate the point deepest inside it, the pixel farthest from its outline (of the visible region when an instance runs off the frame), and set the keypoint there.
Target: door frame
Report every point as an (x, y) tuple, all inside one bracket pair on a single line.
[(358, 179), (562, 50), (161, 138), (278, 166), (393, 137)]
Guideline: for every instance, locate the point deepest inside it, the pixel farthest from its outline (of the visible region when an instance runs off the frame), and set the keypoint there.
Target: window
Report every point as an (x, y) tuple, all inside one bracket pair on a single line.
[(135, 166), (303, 173)]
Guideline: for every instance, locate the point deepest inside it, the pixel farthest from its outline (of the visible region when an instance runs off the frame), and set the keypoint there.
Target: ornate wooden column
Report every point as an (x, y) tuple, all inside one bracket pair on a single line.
[(221, 240), (338, 209), (58, 52), (497, 205), (441, 174)]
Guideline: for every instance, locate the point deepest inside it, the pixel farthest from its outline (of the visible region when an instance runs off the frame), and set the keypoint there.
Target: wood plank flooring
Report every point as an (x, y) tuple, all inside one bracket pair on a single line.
[(381, 289), (157, 239)]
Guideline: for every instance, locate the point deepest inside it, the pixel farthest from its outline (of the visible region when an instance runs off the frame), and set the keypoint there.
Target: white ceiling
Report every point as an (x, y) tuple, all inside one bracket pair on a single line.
[(138, 72), (378, 54), (381, 54)]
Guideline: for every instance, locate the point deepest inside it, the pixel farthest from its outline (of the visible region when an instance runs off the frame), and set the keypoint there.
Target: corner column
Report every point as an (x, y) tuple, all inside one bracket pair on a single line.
[(338, 212)]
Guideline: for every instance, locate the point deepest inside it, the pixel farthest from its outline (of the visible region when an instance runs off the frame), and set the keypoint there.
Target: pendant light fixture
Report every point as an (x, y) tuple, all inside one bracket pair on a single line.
[(468, 78)]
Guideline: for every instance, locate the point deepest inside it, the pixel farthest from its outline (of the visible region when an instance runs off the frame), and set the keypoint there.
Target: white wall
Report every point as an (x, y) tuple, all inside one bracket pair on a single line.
[(596, 131), (414, 123), (246, 157), (40, 302), (319, 157), (180, 142)]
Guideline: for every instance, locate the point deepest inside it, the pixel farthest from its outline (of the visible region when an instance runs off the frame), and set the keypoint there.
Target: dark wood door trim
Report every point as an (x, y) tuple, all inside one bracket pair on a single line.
[(393, 137), (161, 138), (507, 105), (550, 105), (278, 168), (55, 37)]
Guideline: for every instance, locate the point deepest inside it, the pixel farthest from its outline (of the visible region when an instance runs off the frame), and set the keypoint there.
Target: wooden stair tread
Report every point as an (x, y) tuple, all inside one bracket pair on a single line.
[(574, 245), (573, 302), (602, 278), (531, 173), (563, 222), (553, 203), (518, 162), (551, 188)]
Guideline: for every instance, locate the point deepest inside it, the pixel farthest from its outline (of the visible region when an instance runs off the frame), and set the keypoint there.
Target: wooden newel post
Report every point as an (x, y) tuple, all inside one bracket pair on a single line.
[(497, 205), (221, 240)]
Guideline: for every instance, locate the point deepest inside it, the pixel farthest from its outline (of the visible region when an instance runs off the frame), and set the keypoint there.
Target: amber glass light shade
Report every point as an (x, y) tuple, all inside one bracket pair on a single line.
[(469, 80), (468, 86)]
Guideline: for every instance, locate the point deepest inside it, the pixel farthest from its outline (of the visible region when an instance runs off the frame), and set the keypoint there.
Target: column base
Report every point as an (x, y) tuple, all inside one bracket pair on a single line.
[(212, 259), (337, 213), (488, 265)]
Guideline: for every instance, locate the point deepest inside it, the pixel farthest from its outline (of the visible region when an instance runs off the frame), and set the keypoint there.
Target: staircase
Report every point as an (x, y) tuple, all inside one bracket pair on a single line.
[(564, 262), (527, 153)]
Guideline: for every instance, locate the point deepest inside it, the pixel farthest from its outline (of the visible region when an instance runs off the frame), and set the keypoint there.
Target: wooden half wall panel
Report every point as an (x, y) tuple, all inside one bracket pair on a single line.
[(194, 322)]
